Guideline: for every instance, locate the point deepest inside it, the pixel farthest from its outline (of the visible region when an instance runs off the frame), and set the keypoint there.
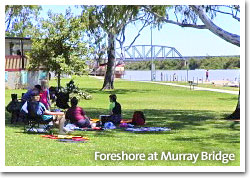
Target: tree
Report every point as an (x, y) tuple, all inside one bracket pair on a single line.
[(121, 37), (58, 45), (97, 41), (18, 19), (187, 16), (112, 20)]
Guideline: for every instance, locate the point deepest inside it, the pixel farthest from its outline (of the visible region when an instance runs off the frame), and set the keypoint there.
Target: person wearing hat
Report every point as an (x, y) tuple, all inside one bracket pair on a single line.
[(41, 112)]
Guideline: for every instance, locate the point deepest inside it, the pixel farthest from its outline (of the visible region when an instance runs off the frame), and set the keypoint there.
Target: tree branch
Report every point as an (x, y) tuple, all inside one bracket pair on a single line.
[(9, 19), (222, 12), (138, 34), (174, 22), (229, 37)]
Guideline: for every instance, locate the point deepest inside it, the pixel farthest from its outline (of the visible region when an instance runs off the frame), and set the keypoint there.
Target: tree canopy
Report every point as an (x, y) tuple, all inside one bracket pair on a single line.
[(59, 45), (18, 19)]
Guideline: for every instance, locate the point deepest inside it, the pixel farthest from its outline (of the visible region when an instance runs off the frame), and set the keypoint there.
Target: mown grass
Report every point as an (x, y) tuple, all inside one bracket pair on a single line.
[(195, 117), (208, 86)]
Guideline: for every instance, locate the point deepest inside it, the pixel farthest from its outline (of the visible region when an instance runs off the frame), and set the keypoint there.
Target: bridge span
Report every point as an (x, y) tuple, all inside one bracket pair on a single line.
[(157, 52), (183, 58)]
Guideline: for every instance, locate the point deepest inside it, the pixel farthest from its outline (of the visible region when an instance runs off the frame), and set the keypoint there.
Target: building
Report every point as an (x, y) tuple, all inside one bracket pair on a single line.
[(17, 74)]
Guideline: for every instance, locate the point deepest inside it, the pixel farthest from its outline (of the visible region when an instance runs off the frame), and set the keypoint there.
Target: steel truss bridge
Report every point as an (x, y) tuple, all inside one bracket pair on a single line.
[(143, 53), (147, 52)]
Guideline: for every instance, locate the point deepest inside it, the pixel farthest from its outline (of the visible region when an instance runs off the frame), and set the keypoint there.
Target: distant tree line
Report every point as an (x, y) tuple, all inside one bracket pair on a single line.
[(178, 64)]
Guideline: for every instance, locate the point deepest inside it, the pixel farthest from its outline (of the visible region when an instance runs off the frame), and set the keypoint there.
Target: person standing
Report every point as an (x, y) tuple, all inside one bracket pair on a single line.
[(44, 95), (207, 75)]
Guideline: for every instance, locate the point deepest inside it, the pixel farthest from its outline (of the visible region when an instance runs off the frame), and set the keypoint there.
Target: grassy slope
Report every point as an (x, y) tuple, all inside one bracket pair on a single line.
[(196, 119)]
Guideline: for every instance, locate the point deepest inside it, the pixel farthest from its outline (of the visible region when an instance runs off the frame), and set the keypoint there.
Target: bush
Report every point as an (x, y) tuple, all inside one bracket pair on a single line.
[(74, 91)]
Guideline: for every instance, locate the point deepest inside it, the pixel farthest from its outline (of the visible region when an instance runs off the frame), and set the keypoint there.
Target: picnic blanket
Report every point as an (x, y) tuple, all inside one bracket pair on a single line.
[(72, 127), (71, 141), (67, 138), (148, 129), (126, 120), (88, 129)]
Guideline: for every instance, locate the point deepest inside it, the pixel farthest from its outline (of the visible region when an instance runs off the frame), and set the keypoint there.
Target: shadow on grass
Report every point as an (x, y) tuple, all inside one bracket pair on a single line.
[(226, 137), (233, 98), (174, 119), (116, 91)]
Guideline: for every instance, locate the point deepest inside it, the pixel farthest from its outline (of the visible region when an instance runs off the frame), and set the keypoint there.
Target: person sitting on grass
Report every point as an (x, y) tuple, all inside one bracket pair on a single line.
[(114, 110), (76, 115), (38, 109)]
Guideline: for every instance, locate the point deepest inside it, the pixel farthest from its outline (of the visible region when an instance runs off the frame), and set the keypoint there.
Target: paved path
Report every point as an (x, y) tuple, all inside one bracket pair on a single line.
[(185, 86), (196, 88)]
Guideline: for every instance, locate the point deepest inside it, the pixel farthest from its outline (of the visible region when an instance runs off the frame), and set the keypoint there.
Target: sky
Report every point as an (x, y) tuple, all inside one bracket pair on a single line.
[(188, 41)]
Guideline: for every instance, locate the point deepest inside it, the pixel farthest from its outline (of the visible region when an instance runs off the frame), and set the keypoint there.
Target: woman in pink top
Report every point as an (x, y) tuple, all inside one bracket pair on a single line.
[(44, 94), (77, 115)]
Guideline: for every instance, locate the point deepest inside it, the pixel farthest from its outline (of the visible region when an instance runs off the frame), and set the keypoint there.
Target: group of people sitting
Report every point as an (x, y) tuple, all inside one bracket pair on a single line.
[(37, 102)]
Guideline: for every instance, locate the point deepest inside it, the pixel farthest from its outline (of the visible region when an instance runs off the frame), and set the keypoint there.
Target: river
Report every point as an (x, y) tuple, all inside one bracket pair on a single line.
[(181, 75)]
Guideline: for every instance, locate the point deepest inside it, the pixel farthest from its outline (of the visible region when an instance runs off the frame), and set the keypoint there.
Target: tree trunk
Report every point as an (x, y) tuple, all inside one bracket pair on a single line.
[(59, 80), (109, 76), (236, 113), (229, 37)]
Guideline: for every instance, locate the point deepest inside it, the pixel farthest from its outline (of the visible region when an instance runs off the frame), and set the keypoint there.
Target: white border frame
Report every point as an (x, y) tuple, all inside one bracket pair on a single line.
[(240, 168)]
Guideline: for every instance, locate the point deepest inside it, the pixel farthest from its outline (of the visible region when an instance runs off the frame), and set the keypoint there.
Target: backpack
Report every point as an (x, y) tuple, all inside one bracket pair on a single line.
[(138, 118)]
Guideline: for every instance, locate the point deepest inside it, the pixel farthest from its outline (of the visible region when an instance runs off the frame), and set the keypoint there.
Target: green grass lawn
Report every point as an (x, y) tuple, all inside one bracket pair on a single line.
[(207, 86), (195, 117)]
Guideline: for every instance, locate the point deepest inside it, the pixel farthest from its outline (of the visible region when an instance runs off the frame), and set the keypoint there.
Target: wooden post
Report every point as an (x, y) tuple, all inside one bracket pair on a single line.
[(22, 55)]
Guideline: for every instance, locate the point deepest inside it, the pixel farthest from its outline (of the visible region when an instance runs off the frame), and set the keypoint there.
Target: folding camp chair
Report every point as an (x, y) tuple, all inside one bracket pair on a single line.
[(33, 124), (33, 121)]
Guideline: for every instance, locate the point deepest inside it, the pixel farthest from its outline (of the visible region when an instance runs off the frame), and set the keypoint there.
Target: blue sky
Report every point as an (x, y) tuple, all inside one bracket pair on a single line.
[(188, 41)]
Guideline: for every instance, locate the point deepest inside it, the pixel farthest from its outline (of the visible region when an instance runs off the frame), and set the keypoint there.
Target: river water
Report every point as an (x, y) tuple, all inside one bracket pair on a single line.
[(183, 75)]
